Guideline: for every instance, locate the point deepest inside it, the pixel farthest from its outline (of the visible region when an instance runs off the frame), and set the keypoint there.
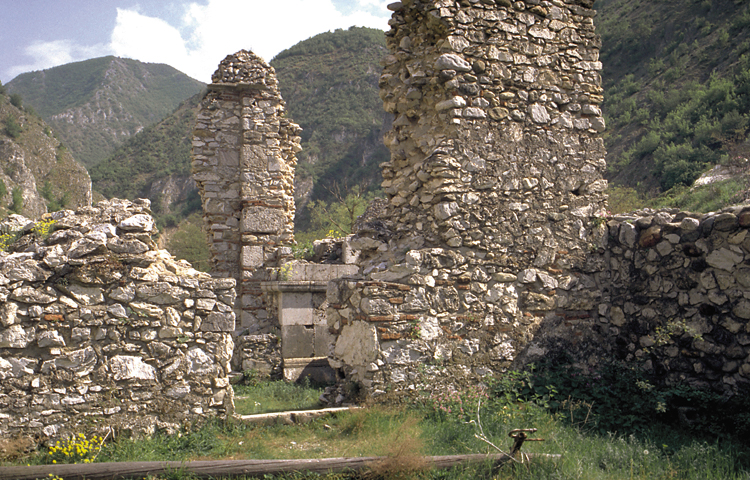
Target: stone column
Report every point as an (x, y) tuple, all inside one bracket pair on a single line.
[(243, 161)]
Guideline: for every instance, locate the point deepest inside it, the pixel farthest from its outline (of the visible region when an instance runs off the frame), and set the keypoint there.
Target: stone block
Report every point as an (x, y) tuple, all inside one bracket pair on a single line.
[(218, 322), (298, 341), (252, 256), (263, 220), (296, 308)]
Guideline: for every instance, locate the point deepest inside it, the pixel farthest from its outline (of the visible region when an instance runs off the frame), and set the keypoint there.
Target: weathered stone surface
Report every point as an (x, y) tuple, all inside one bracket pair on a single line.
[(451, 61), (138, 223), (99, 325)]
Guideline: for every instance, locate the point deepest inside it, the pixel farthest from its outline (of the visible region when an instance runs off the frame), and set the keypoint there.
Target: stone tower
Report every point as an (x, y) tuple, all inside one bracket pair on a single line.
[(243, 162), (494, 189)]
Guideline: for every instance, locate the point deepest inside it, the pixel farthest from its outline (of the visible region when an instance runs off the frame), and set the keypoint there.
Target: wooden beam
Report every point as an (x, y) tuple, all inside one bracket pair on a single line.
[(230, 468)]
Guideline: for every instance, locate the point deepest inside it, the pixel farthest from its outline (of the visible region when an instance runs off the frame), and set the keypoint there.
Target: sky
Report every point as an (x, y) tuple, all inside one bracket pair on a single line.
[(192, 36)]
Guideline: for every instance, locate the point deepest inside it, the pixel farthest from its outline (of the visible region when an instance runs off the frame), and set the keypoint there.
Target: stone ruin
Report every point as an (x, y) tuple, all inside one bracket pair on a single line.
[(493, 247), (100, 329), (495, 174), (243, 162)]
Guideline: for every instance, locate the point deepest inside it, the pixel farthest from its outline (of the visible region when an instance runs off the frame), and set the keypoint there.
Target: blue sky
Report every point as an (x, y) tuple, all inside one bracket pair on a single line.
[(190, 35)]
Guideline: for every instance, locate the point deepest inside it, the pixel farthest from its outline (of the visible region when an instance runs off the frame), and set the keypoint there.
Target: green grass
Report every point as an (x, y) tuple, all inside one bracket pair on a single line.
[(275, 396), (705, 198), (428, 428)]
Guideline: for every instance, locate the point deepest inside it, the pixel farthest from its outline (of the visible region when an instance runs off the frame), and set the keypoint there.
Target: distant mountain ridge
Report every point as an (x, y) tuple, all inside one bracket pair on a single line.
[(95, 105)]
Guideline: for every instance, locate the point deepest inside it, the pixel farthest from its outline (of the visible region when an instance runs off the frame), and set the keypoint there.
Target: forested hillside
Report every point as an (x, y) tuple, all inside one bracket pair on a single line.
[(677, 89), (160, 154), (95, 105), (330, 85)]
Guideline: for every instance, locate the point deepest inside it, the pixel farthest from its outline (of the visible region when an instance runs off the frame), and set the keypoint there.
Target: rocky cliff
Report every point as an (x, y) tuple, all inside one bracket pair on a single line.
[(36, 165)]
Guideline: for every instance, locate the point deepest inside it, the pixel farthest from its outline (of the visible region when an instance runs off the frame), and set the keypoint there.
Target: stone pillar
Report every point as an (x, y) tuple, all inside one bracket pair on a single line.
[(494, 187), (243, 162)]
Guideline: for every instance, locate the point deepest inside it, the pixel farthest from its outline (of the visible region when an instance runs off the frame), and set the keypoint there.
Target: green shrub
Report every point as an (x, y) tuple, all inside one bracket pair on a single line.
[(3, 189), (12, 127), (16, 100), (17, 202)]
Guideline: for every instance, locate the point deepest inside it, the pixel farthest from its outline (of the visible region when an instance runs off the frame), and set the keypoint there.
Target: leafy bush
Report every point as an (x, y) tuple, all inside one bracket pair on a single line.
[(12, 127), (17, 203), (3, 90), (622, 398), (16, 100)]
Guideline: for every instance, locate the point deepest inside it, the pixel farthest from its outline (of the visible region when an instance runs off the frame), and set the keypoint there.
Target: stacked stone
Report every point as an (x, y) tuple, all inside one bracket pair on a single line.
[(243, 161), (495, 175), (680, 295), (97, 324)]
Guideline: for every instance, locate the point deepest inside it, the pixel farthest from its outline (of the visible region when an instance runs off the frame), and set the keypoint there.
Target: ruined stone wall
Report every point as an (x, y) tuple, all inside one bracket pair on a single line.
[(678, 299), (243, 162), (100, 329), (494, 180)]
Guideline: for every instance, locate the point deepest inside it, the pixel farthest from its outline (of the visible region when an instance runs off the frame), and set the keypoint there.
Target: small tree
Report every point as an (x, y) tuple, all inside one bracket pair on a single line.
[(338, 216), (2, 89), (3, 189), (17, 203)]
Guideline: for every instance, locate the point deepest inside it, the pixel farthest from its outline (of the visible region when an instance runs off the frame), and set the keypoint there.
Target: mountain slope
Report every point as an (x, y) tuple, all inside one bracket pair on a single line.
[(37, 173), (95, 104), (330, 85), (677, 88), (155, 163)]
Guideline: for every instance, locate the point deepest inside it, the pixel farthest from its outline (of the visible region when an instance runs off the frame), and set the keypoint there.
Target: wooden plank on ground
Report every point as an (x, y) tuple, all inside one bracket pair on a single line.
[(232, 468)]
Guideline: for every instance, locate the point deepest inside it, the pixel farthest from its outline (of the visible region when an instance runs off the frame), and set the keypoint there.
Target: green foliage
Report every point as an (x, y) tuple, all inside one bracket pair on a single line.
[(3, 189), (17, 200), (3, 90), (275, 396), (676, 99), (622, 398), (156, 152), (54, 203), (330, 85), (12, 127), (336, 218), (623, 199), (190, 243), (16, 100), (704, 198)]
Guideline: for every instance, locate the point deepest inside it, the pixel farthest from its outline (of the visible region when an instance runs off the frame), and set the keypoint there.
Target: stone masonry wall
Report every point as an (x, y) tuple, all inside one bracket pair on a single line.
[(677, 299), (100, 329), (243, 162), (494, 182)]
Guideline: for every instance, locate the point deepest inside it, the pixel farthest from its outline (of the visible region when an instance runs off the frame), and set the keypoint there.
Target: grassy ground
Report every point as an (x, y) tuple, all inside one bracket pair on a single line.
[(443, 427), (264, 397)]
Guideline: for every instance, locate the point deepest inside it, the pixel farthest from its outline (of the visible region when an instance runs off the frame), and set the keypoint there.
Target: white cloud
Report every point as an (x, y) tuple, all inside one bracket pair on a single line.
[(147, 39), (222, 27), (211, 31), (54, 53)]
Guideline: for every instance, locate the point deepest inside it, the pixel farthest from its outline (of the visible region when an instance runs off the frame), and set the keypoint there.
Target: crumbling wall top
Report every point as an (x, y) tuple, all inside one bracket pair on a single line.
[(245, 68)]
